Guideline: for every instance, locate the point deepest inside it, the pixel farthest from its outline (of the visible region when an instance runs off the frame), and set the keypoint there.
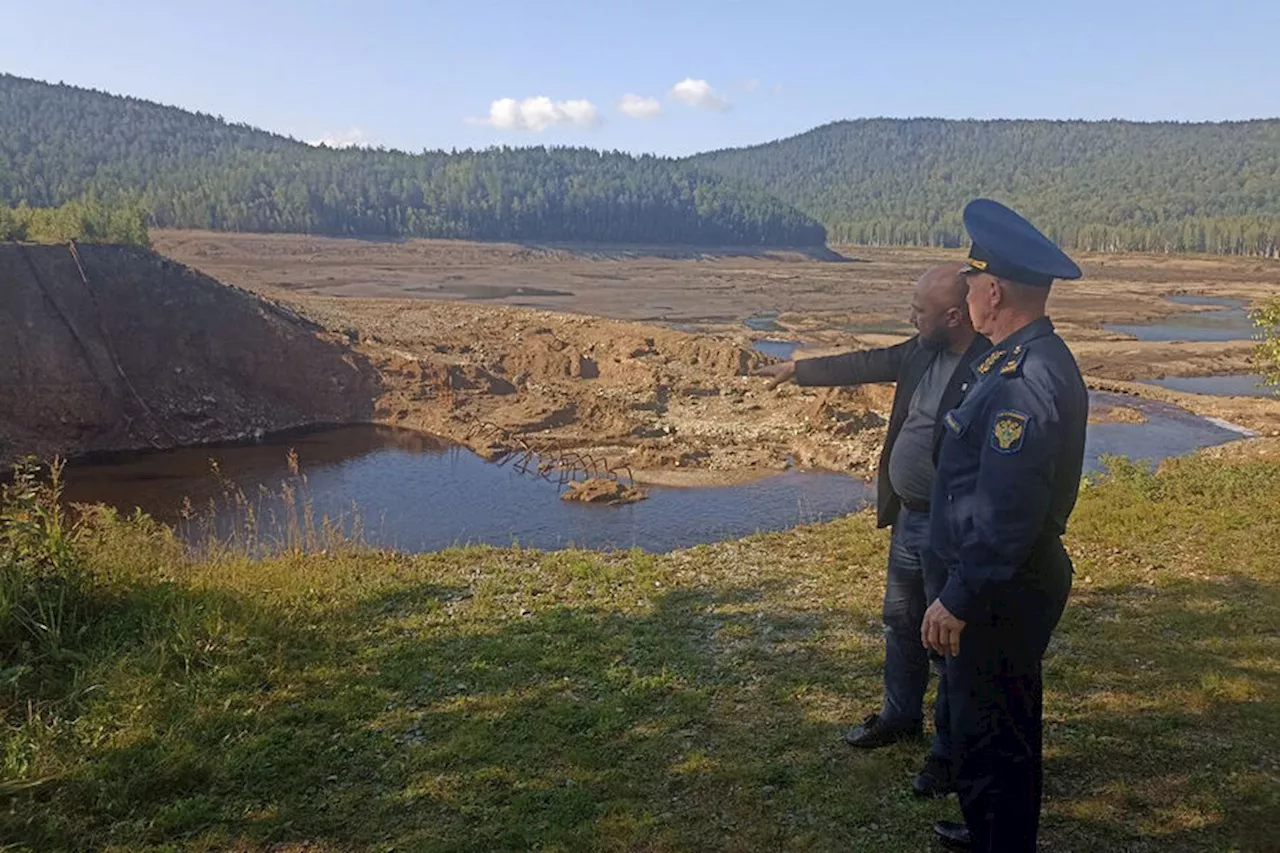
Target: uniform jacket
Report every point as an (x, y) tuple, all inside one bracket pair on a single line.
[(905, 364), (1009, 473)]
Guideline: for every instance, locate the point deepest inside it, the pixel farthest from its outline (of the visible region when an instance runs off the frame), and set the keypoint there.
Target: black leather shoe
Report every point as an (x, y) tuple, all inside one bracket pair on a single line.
[(954, 836), (934, 779), (873, 734)]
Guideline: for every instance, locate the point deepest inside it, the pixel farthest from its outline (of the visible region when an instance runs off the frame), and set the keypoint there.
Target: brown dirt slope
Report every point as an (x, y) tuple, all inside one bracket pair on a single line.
[(144, 352)]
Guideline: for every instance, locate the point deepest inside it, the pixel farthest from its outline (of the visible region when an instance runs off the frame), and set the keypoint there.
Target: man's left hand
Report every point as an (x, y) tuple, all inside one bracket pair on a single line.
[(940, 631)]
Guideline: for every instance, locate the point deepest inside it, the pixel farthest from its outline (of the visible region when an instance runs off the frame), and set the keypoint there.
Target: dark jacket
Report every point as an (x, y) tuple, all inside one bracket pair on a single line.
[(905, 364)]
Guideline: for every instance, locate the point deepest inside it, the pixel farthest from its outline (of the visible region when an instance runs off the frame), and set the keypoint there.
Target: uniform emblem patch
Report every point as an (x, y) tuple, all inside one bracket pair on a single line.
[(990, 361), (1010, 429)]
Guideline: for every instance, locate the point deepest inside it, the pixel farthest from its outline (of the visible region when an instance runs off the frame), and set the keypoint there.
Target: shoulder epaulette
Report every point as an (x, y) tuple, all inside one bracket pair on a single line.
[(1013, 364), (992, 359)]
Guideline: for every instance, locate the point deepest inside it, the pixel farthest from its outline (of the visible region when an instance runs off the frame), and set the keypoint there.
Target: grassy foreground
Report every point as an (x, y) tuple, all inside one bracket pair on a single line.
[(486, 699)]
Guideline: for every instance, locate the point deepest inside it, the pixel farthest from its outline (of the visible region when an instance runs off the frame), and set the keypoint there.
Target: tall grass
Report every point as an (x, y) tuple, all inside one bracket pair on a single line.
[(44, 591), (85, 575), (234, 524)]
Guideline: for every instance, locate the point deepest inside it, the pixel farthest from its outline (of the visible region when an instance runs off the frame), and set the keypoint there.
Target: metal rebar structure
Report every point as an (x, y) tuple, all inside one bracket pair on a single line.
[(555, 466)]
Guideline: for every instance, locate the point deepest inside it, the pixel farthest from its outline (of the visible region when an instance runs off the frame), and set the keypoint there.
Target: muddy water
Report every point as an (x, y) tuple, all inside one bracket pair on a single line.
[(416, 494), (1235, 385), (1207, 301), (777, 349), (412, 492), (763, 323), (1167, 431), (1229, 321)]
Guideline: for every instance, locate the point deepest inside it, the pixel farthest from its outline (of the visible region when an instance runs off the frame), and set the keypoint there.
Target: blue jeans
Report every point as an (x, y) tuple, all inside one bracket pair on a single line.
[(915, 579)]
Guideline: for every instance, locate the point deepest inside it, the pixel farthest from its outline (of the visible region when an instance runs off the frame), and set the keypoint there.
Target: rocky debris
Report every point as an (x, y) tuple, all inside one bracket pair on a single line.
[(498, 378), (599, 490)]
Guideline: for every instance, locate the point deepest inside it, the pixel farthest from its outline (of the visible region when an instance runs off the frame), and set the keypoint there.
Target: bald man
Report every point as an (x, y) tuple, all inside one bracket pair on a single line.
[(931, 370)]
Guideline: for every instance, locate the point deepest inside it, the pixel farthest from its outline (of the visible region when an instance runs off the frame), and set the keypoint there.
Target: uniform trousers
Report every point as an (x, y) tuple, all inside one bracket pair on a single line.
[(995, 695)]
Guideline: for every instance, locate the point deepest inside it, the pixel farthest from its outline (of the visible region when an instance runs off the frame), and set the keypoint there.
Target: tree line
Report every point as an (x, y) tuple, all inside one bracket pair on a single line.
[(1098, 185), (59, 143), (1103, 185), (86, 221), (1224, 235)]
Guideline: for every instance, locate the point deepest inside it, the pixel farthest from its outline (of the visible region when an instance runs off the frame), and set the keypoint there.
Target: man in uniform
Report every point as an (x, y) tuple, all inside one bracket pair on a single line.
[(1008, 475), (932, 370)]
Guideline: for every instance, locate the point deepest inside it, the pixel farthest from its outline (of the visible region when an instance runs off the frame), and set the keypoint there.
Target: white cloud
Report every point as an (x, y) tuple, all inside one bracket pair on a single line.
[(698, 93), (538, 113), (352, 137), (751, 84), (639, 106), (777, 89)]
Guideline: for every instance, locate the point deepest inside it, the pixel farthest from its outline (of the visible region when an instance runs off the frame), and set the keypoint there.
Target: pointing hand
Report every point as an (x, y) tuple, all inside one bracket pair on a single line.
[(777, 373)]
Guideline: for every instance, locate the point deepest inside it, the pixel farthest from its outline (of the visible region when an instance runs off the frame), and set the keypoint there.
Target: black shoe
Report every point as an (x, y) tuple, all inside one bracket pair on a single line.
[(934, 779), (873, 734), (954, 836)]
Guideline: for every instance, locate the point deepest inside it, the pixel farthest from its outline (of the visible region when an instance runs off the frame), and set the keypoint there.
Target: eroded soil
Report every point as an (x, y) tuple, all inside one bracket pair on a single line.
[(642, 362)]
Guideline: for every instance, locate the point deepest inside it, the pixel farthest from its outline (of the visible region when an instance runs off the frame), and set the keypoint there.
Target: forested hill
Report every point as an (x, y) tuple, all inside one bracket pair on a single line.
[(1108, 185), (1098, 185), (59, 143)]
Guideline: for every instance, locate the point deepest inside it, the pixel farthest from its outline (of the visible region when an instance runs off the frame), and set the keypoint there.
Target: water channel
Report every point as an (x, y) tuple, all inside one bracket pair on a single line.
[(1165, 431), (417, 494), (1228, 321), (1227, 385), (412, 492)]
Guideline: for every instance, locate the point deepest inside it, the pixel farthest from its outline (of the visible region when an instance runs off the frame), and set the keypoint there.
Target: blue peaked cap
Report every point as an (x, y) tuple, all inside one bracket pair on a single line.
[(1008, 246)]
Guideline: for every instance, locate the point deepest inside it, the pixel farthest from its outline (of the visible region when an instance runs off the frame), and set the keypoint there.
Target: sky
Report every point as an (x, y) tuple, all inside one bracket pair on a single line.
[(663, 77)]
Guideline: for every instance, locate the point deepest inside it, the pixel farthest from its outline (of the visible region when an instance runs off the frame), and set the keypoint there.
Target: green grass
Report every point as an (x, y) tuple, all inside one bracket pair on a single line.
[(485, 699)]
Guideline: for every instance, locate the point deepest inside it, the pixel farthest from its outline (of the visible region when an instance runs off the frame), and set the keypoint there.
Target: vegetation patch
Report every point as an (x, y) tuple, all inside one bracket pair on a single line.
[(489, 699), (87, 221)]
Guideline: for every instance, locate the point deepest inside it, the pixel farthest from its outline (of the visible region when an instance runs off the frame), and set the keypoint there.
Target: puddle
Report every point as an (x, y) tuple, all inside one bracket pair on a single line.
[(763, 323), (1219, 301), (416, 494), (879, 329), (1228, 322), (1168, 431), (783, 350), (1237, 385), (495, 291)]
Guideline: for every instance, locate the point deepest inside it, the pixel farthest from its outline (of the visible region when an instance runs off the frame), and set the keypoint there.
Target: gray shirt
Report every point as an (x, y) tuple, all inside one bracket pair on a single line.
[(911, 459)]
